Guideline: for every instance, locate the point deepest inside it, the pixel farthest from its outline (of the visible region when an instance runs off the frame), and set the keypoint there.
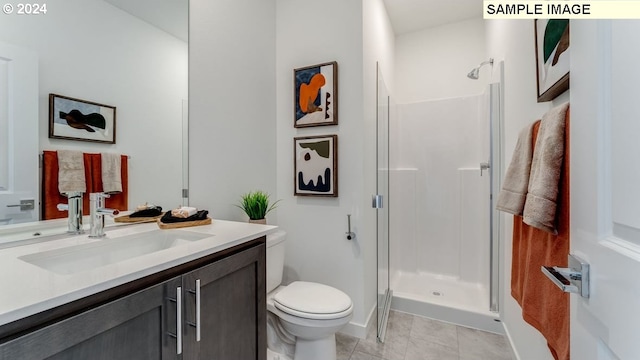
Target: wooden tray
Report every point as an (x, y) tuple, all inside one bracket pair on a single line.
[(129, 219), (177, 225)]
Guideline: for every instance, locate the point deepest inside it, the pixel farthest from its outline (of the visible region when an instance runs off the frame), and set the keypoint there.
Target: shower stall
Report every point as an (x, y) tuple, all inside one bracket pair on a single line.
[(443, 169)]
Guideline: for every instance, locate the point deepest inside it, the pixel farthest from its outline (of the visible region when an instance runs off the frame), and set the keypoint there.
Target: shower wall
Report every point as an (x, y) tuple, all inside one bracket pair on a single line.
[(438, 199), (433, 63)]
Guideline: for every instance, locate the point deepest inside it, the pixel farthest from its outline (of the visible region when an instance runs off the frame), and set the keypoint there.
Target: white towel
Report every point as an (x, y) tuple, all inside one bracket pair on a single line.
[(546, 166), (71, 172), (111, 173), (184, 212), (512, 197)]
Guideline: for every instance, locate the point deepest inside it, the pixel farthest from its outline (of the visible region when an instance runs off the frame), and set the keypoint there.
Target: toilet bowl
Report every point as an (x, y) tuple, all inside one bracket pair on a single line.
[(305, 315)]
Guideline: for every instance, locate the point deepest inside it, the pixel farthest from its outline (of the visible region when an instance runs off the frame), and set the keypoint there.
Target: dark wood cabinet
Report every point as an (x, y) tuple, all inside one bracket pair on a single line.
[(232, 298), (144, 324), (133, 327)]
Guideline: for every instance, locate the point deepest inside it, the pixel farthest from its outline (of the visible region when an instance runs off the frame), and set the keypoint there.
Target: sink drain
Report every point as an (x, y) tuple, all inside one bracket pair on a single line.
[(437, 293)]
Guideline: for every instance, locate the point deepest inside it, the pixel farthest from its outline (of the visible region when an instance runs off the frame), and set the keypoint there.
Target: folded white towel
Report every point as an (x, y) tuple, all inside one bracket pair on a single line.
[(71, 172), (184, 212), (546, 166), (512, 197), (111, 172)]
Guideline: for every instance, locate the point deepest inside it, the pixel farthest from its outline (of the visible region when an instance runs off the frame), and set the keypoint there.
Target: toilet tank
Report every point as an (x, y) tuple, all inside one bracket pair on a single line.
[(275, 259)]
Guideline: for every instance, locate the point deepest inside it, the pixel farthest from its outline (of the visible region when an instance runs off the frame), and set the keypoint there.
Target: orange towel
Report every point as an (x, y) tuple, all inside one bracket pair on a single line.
[(51, 196), (118, 201), (544, 305)]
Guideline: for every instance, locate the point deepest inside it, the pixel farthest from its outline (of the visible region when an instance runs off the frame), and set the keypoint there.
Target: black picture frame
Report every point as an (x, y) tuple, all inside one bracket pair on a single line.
[(76, 119)]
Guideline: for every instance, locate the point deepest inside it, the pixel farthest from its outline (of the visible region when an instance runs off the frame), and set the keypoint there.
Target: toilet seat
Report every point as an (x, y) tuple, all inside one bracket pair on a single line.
[(313, 301)]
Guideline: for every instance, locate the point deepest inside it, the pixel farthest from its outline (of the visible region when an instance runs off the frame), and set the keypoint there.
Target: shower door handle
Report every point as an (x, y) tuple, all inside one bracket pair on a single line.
[(376, 202), (484, 166)]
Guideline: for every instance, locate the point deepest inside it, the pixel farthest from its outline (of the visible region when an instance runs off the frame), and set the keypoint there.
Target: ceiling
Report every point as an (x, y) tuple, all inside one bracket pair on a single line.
[(405, 15), (413, 15), (171, 16)]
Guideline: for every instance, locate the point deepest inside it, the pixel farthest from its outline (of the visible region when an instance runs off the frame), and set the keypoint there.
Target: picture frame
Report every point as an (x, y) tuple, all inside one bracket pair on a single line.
[(552, 57), (316, 165), (75, 119), (315, 95)]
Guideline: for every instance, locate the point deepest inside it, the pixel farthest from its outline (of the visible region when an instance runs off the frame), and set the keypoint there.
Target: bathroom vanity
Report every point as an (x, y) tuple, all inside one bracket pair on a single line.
[(199, 295)]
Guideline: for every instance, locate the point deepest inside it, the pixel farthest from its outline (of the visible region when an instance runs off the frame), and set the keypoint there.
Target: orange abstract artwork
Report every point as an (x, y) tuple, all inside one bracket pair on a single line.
[(315, 95), (309, 93)]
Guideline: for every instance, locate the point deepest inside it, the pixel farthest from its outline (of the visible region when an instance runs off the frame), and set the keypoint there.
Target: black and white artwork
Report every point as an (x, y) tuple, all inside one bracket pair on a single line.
[(316, 165), (76, 119)]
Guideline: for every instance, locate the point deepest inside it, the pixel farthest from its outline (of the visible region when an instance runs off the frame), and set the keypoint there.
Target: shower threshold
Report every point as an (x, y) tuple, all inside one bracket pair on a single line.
[(445, 299)]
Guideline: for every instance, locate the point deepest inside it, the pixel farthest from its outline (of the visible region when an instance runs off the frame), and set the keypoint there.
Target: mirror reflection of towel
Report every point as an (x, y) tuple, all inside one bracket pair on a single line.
[(71, 176), (111, 173)]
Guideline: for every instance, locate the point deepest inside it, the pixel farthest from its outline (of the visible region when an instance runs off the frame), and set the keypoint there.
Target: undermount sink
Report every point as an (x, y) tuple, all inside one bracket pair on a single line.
[(107, 251)]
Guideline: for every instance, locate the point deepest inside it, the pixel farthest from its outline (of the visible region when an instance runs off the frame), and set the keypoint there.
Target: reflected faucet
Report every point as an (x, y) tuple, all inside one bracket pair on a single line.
[(74, 207), (97, 212)]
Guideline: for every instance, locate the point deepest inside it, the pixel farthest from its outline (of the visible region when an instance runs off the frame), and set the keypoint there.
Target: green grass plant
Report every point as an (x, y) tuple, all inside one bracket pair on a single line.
[(256, 204)]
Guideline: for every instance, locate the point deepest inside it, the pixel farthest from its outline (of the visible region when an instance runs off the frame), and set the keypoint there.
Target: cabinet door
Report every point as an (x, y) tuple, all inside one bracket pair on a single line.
[(232, 316), (134, 327)]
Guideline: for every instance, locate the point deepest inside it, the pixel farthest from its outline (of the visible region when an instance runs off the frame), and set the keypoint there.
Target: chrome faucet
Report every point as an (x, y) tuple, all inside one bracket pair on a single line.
[(74, 207), (96, 214)]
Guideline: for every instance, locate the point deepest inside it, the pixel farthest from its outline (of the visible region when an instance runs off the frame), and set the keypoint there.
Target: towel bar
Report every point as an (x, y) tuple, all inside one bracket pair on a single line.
[(574, 279)]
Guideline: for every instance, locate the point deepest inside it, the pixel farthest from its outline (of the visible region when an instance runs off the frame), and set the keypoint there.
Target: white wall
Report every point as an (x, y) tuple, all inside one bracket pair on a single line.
[(232, 104), (241, 130), (433, 63), (317, 249), (91, 50), (512, 41)]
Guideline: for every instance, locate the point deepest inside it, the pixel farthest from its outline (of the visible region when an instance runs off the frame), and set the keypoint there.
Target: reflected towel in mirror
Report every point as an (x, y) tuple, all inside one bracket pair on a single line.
[(111, 178), (71, 177)]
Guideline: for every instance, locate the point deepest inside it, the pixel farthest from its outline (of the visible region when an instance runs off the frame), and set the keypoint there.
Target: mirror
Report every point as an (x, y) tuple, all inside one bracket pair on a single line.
[(132, 55)]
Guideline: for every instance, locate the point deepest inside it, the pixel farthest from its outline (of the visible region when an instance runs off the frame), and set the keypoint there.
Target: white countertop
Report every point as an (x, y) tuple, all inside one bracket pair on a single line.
[(28, 289)]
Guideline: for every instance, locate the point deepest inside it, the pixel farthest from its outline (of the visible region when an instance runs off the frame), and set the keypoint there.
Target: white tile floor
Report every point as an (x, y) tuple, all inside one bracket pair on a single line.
[(412, 337)]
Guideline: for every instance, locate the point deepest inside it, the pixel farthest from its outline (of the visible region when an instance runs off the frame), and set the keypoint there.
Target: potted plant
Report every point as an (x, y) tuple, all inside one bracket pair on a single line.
[(256, 205)]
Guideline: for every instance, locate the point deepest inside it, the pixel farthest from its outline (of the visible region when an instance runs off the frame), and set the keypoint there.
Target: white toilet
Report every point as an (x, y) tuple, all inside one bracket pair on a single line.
[(302, 315)]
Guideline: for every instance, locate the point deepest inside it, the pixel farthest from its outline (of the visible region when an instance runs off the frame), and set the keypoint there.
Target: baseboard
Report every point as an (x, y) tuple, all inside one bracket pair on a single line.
[(514, 352), (358, 330)]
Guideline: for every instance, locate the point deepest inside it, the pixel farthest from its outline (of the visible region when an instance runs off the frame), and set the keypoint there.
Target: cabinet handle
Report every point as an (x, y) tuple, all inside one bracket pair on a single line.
[(198, 310), (179, 319), (178, 334), (197, 324)]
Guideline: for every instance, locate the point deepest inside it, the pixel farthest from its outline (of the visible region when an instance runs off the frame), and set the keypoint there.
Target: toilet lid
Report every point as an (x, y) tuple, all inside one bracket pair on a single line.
[(313, 301)]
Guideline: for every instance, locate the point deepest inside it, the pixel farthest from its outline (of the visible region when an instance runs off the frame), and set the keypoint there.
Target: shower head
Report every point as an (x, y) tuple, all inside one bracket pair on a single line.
[(474, 74)]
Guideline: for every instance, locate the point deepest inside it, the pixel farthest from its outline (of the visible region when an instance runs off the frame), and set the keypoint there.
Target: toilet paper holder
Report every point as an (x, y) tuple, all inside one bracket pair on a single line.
[(350, 234)]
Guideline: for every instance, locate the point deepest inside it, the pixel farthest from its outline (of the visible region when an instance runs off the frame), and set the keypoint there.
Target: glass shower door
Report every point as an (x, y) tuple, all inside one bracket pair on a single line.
[(380, 202)]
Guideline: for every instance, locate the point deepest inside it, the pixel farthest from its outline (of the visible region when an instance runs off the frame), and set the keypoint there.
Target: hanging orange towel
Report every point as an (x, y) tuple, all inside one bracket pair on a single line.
[(118, 201), (51, 197), (544, 305)]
